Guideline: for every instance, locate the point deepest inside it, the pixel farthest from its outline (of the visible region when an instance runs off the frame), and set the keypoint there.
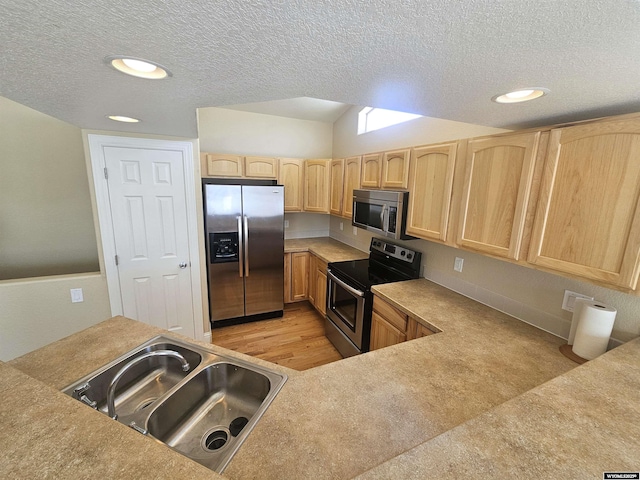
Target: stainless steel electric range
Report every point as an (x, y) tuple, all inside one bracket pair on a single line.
[(349, 297)]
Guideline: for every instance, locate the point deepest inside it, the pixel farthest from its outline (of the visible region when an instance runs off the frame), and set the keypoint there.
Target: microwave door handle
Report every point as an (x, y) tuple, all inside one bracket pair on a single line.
[(384, 216), (348, 288)]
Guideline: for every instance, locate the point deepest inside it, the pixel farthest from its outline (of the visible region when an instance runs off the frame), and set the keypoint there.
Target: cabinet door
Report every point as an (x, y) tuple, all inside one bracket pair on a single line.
[(299, 276), (337, 179), (291, 175), (287, 278), (352, 167), (261, 167), (395, 169), (383, 334), (316, 186), (313, 279), (321, 290), (216, 165), (588, 215), (498, 178), (371, 170), (431, 187)]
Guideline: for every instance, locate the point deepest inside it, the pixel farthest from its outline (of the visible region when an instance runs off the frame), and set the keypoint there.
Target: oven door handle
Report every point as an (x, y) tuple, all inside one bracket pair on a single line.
[(348, 288)]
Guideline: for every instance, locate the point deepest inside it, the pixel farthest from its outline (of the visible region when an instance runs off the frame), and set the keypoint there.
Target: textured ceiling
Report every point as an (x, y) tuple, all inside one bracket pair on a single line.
[(440, 58)]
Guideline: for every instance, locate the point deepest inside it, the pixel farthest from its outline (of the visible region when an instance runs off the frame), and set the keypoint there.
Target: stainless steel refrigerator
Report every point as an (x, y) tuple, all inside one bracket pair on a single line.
[(245, 250)]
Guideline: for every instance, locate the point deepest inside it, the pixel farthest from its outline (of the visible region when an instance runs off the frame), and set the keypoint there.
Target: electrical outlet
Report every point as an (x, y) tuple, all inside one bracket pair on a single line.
[(341, 226), (569, 299), (457, 265), (76, 295), (286, 224), (355, 231)]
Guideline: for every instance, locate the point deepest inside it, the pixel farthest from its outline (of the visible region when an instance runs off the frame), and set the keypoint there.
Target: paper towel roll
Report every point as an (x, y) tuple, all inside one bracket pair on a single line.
[(577, 307), (595, 323)]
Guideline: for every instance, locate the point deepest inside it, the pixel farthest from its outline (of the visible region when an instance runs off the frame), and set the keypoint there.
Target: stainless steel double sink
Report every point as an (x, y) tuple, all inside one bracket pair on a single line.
[(204, 413)]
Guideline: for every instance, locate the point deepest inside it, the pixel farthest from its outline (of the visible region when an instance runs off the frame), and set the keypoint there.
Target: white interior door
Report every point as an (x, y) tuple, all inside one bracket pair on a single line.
[(146, 189)]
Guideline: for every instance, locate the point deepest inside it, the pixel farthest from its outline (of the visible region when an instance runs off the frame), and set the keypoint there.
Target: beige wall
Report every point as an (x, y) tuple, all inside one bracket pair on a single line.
[(420, 131), (46, 223), (306, 225), (36, 312), (243, 133), (530, 295)]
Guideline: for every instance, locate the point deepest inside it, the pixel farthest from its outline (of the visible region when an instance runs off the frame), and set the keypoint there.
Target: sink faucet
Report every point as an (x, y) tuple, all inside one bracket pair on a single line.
[(111, 391)]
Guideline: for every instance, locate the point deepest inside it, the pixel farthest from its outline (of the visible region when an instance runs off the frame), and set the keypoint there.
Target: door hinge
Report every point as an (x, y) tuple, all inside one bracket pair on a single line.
[(116, 259), (106, 174)]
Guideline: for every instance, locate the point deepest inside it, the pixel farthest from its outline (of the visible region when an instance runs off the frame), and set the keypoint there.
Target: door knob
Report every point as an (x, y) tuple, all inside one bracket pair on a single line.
[(183, 265)]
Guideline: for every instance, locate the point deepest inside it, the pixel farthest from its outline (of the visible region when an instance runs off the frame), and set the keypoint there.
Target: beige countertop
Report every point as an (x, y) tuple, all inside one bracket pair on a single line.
[(326, 248), (385, 414)]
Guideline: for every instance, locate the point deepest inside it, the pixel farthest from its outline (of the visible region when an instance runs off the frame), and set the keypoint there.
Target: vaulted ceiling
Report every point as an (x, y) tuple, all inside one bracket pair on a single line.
[(439, 58)]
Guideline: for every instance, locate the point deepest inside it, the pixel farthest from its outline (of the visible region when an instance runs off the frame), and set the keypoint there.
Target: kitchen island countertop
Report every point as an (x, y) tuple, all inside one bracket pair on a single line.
[(384, 414)]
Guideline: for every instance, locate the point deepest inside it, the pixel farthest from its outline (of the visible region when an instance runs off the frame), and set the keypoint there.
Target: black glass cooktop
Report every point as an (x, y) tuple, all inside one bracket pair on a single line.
[(364, 273)]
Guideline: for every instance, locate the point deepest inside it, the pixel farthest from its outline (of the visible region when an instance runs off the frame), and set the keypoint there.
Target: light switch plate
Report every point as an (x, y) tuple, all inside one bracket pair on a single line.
[(341, 226), (355, 231), (286, 224), (76, 295), (570, 299)]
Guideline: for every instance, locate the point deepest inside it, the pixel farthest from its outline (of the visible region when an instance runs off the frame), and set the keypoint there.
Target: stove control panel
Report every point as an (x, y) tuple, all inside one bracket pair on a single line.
[(392, 250)]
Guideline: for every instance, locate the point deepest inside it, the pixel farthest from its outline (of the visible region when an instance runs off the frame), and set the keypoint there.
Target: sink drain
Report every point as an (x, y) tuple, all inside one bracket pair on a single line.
[(215, 440), (236, 426)]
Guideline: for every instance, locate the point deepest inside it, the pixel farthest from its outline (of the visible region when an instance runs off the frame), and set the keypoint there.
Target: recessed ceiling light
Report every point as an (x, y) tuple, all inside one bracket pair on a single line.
[(138, 67), (522, 95), (122, 118)]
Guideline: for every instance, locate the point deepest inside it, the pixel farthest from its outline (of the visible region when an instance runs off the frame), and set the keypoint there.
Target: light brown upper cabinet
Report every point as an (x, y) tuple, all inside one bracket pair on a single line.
[(351, 183), (431, 186), (291, 175), (498, 180), (261, 167), (395, 169), (337, 185), (371, 170), (217, 165), (317, 181), (587, 221)]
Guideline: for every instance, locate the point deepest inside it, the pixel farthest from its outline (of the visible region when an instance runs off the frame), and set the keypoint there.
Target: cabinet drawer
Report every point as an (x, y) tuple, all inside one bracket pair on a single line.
[(391, 314)]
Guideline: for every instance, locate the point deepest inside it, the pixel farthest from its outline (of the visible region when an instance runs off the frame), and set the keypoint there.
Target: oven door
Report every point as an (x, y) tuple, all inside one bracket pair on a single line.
[(345, 309)]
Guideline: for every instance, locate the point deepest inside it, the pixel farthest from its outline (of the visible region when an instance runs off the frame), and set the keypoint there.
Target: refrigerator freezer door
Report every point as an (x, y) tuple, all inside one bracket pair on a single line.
[(263, 210), (223, 209)]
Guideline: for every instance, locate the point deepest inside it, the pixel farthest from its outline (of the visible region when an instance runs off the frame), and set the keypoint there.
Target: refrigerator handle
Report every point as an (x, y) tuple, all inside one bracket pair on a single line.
[(240, 246), (246, 246)]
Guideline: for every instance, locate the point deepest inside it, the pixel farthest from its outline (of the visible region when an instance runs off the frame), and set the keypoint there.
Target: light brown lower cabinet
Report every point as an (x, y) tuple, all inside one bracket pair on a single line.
[(390, 326), (296, 276), (318, 283)]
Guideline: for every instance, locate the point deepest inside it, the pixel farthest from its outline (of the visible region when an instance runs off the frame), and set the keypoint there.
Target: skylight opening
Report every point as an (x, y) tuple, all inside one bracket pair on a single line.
[(370, 119)]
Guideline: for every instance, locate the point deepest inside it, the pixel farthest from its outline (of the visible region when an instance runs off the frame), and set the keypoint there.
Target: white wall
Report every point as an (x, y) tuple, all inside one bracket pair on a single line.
[(36, 312), (528, 294)]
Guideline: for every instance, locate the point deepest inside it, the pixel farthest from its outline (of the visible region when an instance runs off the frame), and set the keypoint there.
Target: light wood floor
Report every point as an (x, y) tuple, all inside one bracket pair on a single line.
[(295, 340)]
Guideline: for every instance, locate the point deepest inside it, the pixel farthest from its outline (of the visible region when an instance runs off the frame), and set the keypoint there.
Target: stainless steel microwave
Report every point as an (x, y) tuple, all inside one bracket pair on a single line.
[(381, 211)]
